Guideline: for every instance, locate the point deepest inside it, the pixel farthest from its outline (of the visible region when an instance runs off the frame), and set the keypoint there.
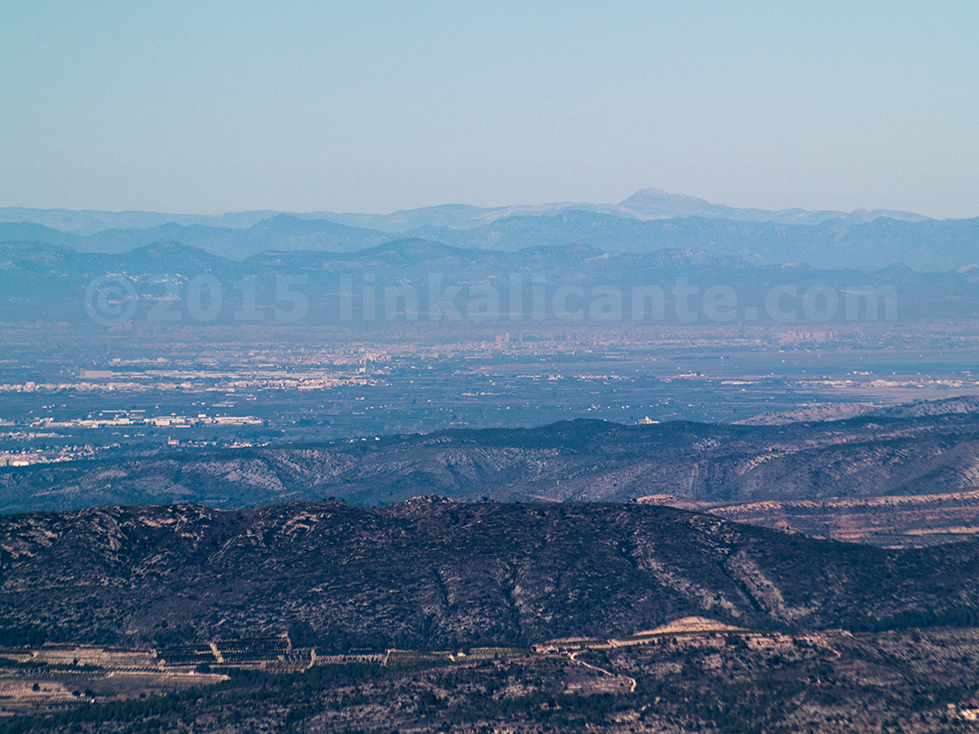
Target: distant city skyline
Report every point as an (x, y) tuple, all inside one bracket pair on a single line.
[(379, 107)]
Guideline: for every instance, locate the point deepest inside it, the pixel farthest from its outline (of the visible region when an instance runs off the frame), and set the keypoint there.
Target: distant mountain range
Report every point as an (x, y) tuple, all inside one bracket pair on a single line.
[(658, 204), (648, 221), (648, 203), (42, 282)]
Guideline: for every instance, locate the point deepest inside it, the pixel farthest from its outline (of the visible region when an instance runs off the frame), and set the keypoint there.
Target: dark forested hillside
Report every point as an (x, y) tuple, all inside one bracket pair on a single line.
[(432, 573), (579, 460)]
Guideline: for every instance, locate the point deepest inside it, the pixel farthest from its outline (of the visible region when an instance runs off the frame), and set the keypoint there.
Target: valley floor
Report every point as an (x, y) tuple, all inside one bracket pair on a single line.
[(694, 675)]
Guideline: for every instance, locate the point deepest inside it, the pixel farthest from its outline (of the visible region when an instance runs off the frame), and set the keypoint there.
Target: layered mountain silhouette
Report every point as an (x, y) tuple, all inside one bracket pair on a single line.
[(41, 282), (649, 220)]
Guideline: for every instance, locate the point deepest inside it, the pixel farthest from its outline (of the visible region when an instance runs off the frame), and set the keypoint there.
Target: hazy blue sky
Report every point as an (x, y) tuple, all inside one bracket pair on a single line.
[(206, 107)]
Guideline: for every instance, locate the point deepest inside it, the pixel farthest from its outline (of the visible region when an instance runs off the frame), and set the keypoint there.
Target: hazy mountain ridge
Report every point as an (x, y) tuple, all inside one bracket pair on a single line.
[(50, 282), (645, 203), (842, 411), (927, 245), (281, 232), (656, 203), (648, 221), (87, 221), (578, 460)]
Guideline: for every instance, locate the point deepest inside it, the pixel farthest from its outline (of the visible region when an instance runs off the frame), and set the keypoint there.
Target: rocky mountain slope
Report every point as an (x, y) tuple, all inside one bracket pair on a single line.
[(842, 411), (432, 573), (897, 521), (579, 460)]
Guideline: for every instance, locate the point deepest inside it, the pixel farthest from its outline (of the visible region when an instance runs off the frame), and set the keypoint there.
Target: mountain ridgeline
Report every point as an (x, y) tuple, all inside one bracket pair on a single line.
[(650, 203), (649, 221), (582, 460), (424, 280)]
